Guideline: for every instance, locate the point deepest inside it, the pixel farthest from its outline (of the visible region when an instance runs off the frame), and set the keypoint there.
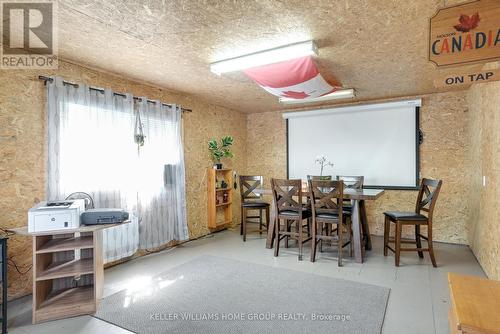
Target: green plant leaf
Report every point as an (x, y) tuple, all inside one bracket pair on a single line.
[(221, 150), (212, 145), (227, 141)]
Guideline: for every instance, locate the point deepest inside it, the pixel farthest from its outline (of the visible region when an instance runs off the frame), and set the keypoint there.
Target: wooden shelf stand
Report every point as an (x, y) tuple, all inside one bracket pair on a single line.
[(220, 213), (68, 271), (67, 274)]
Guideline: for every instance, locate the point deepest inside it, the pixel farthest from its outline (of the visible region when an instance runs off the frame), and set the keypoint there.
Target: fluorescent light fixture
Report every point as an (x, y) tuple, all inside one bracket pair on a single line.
[(338, 94), (265, 57)]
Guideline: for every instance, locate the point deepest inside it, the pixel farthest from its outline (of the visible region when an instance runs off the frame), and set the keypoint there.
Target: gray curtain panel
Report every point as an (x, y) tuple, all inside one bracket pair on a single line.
[(161, 205), (91, 148)]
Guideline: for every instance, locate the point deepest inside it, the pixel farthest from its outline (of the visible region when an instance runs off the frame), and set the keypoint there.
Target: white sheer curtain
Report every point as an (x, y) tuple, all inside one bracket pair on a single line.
[(91, 149), (161, 191)]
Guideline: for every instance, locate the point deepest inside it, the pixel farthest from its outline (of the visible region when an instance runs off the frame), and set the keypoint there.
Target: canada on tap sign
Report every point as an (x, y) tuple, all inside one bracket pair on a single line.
[(465, 33)]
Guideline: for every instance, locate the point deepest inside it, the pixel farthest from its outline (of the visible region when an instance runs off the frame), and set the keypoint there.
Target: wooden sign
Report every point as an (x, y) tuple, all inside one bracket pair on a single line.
[(466, 78), (465, 33)]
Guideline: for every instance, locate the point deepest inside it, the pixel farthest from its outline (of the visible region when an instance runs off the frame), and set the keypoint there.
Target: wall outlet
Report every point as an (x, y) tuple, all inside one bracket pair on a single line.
[(484, 180)]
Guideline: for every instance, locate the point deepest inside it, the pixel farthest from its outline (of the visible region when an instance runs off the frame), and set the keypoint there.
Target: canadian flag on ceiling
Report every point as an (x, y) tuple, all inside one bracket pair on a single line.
[(296, 79)]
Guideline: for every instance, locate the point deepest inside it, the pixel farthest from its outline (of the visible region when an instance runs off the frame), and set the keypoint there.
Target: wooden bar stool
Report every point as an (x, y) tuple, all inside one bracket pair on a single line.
[(315, 178), (287, 197), (430, 189), (327, 210), (252, 201)]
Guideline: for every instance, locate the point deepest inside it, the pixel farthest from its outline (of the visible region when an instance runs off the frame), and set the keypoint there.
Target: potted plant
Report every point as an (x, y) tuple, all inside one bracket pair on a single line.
[(220, 149)]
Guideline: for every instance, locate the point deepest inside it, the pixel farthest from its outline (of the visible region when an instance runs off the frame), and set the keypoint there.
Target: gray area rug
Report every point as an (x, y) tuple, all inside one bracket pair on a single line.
[(218, 295)]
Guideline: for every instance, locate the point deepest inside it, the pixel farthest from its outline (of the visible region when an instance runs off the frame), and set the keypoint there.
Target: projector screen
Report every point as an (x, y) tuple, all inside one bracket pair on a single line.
[(378, 141)]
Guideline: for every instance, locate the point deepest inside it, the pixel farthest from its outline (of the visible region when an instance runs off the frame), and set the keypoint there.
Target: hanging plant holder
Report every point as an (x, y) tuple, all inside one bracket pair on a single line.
[(139, 136)]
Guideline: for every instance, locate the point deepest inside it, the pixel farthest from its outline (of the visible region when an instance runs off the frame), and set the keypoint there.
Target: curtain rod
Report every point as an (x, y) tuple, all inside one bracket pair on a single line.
[(44, 78)]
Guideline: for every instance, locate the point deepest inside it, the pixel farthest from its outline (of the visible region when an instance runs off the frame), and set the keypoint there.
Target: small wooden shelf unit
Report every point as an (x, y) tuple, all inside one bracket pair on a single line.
[(67, 271), (67, 274), (219, 214)]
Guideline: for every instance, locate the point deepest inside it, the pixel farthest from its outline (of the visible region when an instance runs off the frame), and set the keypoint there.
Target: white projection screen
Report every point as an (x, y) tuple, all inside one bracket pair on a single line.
[(378, 141)]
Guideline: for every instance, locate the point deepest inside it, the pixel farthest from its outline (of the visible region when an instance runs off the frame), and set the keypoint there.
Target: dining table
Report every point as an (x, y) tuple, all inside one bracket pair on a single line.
[(360, 228)]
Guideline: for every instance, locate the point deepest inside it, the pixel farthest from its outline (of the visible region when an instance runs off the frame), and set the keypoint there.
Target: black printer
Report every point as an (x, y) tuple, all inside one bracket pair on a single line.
[(103, 216)]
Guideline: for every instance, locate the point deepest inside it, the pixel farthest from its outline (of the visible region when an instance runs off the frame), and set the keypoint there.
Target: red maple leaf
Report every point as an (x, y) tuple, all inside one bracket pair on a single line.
[(294, 95), (467, 23)]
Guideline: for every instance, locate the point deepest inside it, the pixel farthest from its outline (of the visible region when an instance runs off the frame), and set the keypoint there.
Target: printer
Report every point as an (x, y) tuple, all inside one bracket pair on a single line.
[(104, 216), (55, 215)]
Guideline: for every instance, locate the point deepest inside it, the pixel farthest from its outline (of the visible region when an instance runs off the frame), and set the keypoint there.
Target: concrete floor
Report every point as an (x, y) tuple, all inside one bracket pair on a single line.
[(418, 302)]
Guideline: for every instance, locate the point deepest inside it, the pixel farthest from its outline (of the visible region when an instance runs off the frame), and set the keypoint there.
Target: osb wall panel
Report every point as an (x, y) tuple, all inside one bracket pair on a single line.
[(214, 123), (22, 138), (266, 145), (444, 154), (484, 233)]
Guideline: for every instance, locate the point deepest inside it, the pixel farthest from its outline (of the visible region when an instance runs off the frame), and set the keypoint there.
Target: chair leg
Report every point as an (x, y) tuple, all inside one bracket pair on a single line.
[(301, 244), (321, 230), (313, 241), (241, 224), (267, 218), (329, 231), (277, 237), (298, 226), (341, 242), (287, 228), (387, 230), (431, 247), (260, 221), (244, 224), (351, 245), (418, 241), (398, 242)]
